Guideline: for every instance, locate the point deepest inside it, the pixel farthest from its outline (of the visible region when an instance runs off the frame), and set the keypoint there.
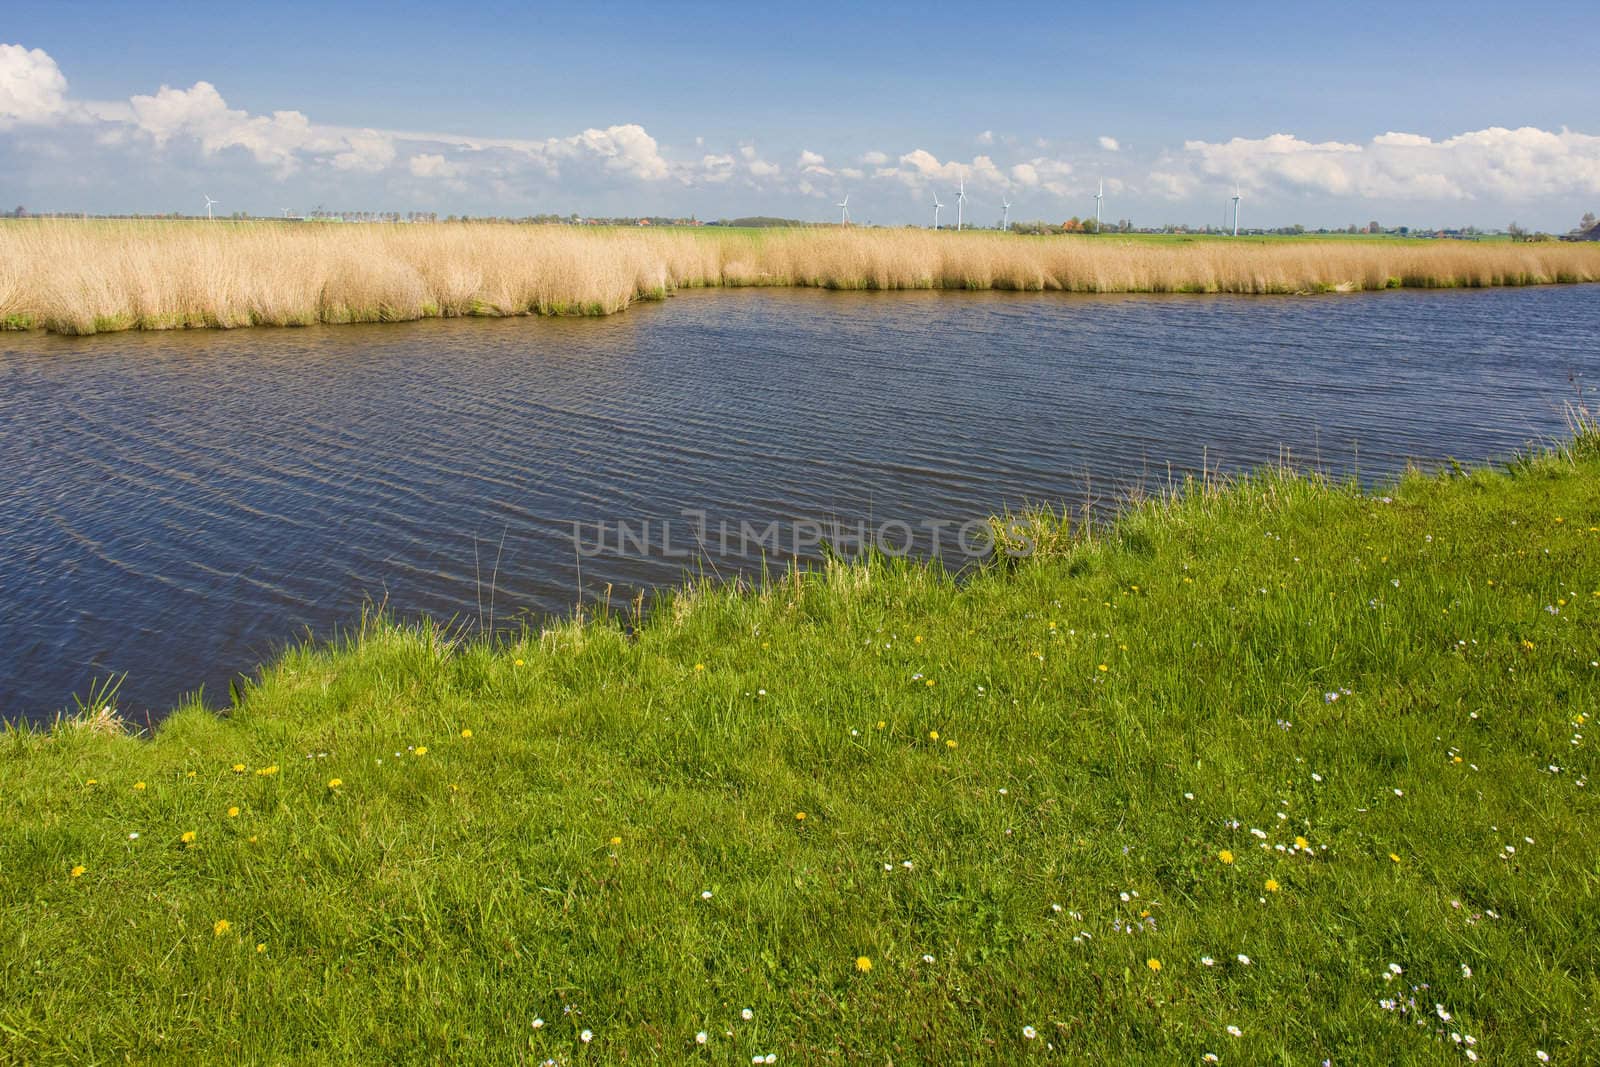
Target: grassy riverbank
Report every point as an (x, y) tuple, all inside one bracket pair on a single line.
[(89, 277), (1279, 771)]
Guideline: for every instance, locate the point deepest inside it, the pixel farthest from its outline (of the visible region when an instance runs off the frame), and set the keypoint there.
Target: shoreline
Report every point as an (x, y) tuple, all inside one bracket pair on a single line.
[(85, 278), (1191, 737)]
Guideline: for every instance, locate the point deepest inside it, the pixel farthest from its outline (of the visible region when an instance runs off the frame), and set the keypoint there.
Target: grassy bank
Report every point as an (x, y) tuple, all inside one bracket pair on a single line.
[(88, 277), (1278, 771)]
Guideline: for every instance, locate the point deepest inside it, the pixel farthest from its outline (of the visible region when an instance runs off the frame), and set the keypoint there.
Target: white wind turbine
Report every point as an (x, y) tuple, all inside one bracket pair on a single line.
[(936, 208), (961, 200), (1005, 214), (844, 210), (210, 202), (1236, 209), (1100, 194)]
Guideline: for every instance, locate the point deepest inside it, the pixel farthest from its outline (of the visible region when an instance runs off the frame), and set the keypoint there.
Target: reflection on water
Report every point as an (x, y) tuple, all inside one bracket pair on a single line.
[(175, 506)]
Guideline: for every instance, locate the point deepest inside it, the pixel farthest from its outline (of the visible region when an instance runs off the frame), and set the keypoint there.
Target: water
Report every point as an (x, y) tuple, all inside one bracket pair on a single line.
[(177, 506)]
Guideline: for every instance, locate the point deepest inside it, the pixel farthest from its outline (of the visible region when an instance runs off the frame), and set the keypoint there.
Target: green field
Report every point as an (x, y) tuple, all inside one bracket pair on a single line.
[(1281, 771)]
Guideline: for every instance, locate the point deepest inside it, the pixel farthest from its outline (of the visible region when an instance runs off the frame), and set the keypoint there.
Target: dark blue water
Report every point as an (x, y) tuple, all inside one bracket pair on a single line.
[(174, 507)]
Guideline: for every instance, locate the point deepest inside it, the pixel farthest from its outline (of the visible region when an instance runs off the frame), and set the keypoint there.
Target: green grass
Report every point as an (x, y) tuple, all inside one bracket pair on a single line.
[(1111, 716)]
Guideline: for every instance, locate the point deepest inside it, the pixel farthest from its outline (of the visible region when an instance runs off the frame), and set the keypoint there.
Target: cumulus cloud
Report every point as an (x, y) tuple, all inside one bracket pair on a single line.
[(1043, 173), (32, 87), (875, 159), (920, 165), (1493, 163), (626, 149), (200, 112), (813, 163), (1110, 144), (715, 168), (368, 151), (986, 137), (431, 165)]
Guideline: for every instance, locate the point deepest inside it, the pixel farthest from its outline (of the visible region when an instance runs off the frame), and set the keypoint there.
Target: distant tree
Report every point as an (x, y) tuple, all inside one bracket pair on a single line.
[(22, 213), (1517, 232), (1585, 226), (1373, 227), (1090, 226)]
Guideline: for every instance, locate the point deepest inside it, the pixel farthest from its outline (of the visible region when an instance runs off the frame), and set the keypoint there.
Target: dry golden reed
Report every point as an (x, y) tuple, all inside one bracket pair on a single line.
[(86, 277)]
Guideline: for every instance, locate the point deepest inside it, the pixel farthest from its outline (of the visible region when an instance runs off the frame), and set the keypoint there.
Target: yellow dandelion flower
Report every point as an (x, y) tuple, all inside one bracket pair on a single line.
[(799, 816), (517, 663), (335, 783), (92, 781), (933, 735), (917, 639), (863, 964), (949, 744), (422, 750), (1225, 856), (238, 768), (188, 837), (929, 683), (1393, 857), (880, 724), (1272, 885), (221, 927), (1153, 963), (699, 666), (79, 871), (616, 841), (267, 772), (233, 813), (1301, 842), (138, 787), (1102, 667), (466, 734), (261, 947)]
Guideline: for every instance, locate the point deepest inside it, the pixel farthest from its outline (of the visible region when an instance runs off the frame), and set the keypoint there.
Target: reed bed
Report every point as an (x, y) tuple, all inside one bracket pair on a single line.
[(88, 277)]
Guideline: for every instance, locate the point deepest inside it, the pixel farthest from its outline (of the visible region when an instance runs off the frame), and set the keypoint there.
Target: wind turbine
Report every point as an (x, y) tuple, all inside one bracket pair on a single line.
[(844, 210), (1100, 194), (1236, 209), (1005, 214), (209, 202), (936, 207), (961, 199)]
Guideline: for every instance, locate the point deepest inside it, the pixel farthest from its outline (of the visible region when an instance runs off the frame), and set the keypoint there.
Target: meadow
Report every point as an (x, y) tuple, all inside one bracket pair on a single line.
[(1277, 770), (89, 277)]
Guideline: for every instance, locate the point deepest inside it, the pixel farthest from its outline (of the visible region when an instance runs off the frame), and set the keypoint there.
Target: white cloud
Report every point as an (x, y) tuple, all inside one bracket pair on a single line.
[(1110, 144), (922, 165), (201, 113), (875, 159), (714, 168), (763, 169), (368, 151), (1493, 163), (986, 137), (32, 87), (813, 163), (626, 149), (431, 165)]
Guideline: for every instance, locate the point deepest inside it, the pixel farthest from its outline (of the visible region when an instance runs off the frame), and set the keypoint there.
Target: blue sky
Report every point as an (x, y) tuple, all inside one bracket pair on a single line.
[(1419, 113)]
